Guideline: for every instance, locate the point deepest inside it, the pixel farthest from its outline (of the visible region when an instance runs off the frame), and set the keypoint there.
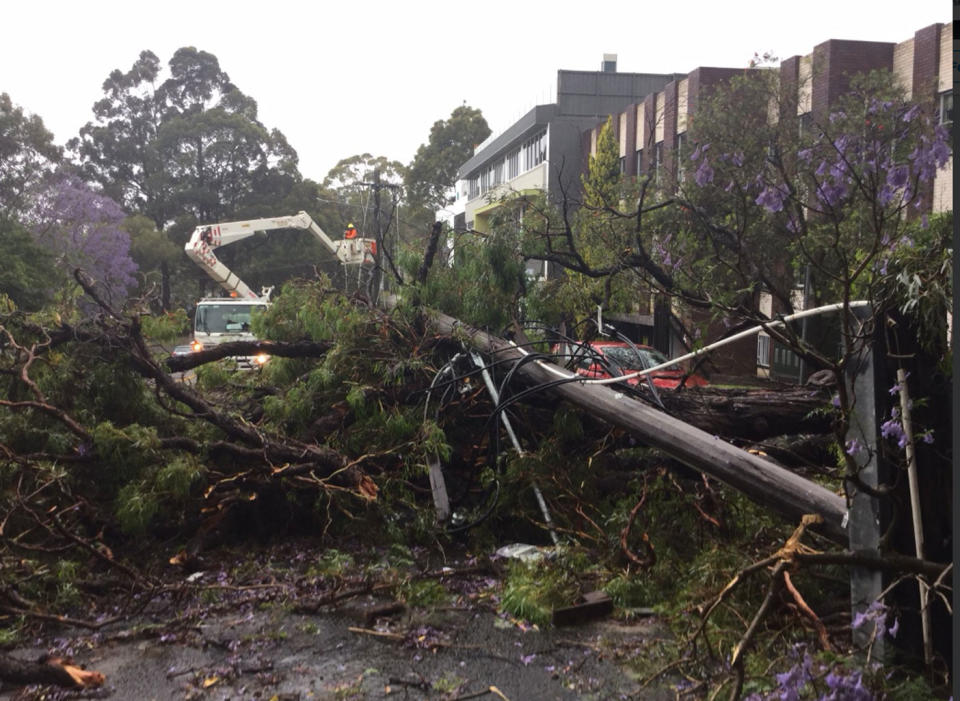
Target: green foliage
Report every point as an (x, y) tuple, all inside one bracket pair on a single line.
[(176, 478), (10, 635), (590, 243), (449, 684), (296, 407), (27, 268), (27, 156), (484, 286), (332, 562), (627, 591), (124, 453), (601, 184), (912, 689), (357, 399), (312, 310), (917, 279), (532, 590), (423, 592), (151, 250), (66, 574), (164, 490), (567, 425), (167, 327), (433, 441), (136, 507), (153, 146), (214, 375), (433, 170)]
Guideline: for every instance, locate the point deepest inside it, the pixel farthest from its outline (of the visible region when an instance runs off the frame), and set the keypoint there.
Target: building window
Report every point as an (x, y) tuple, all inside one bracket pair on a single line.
[(680, 157), (946, 107), (535, 151), (657, 161), (763, 351), (639, 162), (513, 165), (805, 124), (497, 173), (474, 188), (623, 165)]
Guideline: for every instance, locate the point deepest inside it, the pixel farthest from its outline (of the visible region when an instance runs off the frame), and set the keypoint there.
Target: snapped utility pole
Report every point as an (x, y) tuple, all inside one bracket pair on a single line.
[(377, 185)]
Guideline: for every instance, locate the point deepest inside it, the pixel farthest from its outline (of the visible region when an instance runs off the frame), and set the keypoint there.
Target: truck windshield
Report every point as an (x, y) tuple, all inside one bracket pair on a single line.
[(224, 318)]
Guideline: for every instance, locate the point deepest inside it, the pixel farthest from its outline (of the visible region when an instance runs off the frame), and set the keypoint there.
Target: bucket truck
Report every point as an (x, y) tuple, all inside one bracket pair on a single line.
[(223, 319)]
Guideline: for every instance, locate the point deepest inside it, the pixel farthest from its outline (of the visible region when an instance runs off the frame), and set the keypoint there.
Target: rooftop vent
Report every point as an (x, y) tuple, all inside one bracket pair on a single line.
[(609, 64)]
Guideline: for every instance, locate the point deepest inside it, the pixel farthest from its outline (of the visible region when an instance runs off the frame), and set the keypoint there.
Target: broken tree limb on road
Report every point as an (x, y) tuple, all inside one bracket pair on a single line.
[(302, 349), (760, 480), (48, 670)]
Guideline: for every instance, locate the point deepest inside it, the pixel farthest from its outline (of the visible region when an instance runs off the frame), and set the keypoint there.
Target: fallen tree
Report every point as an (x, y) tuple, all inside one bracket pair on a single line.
[(761, 480)]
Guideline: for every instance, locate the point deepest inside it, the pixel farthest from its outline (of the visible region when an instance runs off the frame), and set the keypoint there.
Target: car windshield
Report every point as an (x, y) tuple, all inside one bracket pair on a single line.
[(224, 318), (634, 359)]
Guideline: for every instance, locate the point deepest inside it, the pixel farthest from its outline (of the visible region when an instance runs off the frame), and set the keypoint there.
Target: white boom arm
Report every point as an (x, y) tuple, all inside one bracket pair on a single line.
[(208, 237)]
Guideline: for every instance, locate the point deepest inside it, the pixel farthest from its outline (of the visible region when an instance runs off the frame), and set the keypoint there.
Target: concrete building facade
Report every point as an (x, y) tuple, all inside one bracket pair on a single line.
[(542, 151)]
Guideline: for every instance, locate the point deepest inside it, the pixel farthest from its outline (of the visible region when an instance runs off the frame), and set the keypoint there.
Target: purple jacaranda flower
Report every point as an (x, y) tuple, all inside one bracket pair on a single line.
[(911, 113), (832, 195), (891, 428), (897, 176), (704, 174), (854, 447), (771, 199), (897, 387)]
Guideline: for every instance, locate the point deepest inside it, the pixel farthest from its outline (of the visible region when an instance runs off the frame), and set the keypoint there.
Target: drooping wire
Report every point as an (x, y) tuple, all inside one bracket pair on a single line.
[(449, 387)]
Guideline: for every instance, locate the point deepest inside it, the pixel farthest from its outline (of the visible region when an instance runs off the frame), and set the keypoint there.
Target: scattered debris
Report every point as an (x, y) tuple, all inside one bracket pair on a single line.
[(595, 604), (525, 552)]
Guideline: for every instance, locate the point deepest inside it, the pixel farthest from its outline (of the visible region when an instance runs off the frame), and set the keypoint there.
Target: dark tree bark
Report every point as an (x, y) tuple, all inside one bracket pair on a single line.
[(47, 670)]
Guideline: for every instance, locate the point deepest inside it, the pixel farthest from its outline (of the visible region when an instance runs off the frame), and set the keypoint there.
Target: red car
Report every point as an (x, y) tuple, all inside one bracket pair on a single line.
[(629, 360)]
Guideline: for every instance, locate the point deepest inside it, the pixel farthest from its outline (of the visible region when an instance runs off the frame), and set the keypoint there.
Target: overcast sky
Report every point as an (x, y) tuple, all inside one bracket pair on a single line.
[(346, 77)]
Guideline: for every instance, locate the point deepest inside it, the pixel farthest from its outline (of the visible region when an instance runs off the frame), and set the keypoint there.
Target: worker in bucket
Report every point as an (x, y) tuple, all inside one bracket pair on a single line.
[(351, 232)]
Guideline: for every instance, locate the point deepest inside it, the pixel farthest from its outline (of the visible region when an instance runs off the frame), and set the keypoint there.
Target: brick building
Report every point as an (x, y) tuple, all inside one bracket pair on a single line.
[(651, 133), (653, 130)]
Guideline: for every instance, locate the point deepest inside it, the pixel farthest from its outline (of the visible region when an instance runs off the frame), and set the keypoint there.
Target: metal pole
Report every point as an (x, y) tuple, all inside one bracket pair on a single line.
[(915, 511), (378, 274)]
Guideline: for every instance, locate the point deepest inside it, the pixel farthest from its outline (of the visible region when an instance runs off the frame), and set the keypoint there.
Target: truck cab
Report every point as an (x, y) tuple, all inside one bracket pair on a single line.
[(224, 319)]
